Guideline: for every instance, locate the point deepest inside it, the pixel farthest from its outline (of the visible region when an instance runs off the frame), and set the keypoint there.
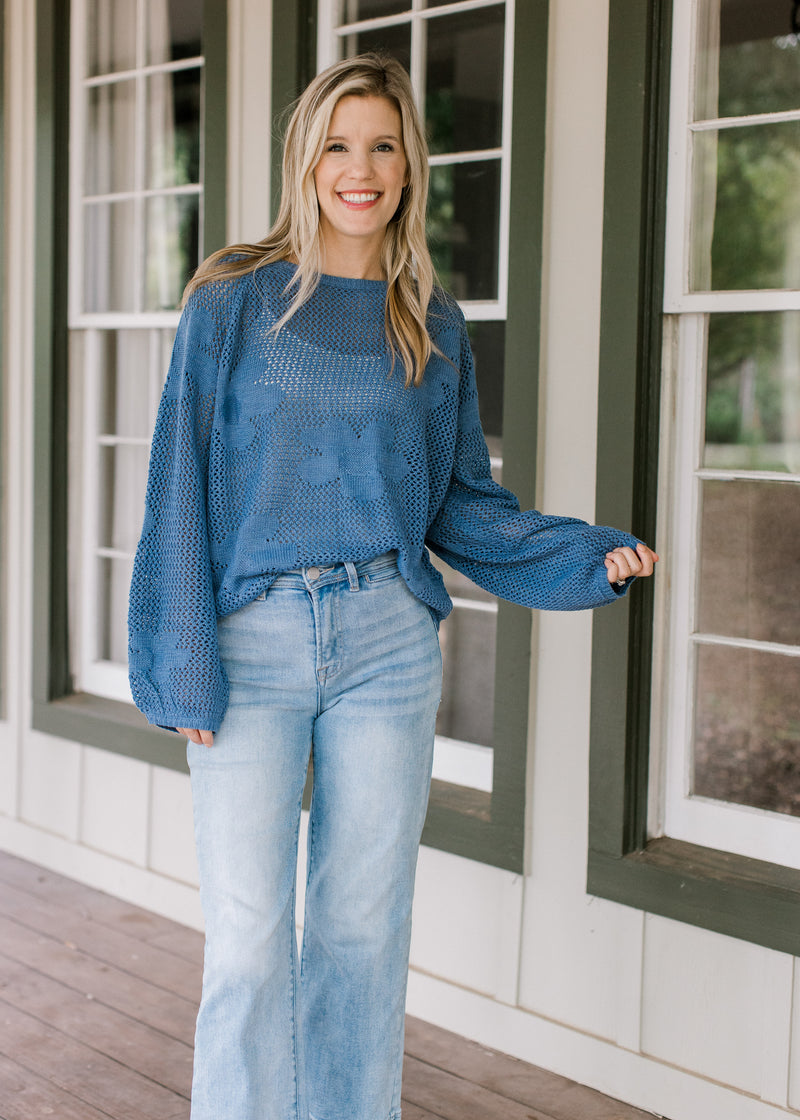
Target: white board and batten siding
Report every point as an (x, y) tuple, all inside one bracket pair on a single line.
[(685, 1023)]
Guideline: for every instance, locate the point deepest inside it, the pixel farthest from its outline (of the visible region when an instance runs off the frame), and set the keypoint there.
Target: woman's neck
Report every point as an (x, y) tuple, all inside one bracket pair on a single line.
[(352, 260)]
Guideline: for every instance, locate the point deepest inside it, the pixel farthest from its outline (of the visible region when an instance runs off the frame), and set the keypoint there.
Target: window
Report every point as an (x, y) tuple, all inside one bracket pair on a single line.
[(694, 783), (131, 96), (460, 61)]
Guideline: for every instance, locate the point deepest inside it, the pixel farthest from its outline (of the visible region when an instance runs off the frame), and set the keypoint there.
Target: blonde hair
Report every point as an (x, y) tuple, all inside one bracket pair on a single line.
[(295, 236)]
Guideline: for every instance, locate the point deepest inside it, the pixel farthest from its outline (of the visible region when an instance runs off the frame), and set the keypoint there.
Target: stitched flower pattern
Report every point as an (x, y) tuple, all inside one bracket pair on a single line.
[(364, 464)]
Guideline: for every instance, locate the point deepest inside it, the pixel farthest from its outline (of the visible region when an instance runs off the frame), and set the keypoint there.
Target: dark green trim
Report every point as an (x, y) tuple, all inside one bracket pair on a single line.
[(730, 894), (56, 710), (215, 122), (294, 54)]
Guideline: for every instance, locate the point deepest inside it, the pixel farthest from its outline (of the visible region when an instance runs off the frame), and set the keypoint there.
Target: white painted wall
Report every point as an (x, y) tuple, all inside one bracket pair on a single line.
[(686, 1023)]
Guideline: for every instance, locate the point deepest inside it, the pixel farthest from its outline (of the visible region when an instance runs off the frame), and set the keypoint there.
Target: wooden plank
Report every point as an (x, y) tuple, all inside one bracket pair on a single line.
[(84, 1072), (24, 1095), (456, 1098), (150, 1052), (157, 1007), (139, 958), (414, 1112), (558, 1097)]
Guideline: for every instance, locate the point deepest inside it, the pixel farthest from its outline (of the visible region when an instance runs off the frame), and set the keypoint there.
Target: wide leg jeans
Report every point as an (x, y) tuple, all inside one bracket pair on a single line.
[(346, 659)]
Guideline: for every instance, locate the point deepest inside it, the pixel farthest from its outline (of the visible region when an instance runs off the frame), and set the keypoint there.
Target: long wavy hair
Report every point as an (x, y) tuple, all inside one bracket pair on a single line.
[(295, 236)]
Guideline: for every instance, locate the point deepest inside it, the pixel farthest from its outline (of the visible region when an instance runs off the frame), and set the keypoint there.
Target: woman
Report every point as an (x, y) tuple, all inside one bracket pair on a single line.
[(318, 429)]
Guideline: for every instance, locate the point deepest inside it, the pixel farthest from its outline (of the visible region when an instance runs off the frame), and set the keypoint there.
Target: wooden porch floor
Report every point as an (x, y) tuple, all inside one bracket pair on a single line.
[(97, 1008)]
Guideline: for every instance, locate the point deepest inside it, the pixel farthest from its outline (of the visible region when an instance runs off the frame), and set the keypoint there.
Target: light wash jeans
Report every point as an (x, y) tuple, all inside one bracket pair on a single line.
[(347, 659)]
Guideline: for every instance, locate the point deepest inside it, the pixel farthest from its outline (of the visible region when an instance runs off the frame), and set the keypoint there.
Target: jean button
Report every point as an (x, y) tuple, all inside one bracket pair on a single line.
[(313, 573)]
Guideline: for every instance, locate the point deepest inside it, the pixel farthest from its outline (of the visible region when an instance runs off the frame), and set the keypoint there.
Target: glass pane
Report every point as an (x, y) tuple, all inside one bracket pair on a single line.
[(112, 614), (172, 248), (464, 227), (173, 129), (174, 30), (467, 637), (753, 391), (748, 59), (488, 347), (124, 376), (108, 279), (746, 208), (110, 36), (350, 11), (394, 40), (747, 728), (749, 583), (110, 138), (464, 81), (123, 481)]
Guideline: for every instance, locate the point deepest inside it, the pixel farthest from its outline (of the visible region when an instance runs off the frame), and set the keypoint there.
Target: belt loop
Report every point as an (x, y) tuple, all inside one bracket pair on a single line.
[(352, 574)]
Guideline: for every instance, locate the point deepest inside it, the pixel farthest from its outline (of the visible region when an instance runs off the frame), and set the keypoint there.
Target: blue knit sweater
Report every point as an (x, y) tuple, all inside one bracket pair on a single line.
[(275, 451)]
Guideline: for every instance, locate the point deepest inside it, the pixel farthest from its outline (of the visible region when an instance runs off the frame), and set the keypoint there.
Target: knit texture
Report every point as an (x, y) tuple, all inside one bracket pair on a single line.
[(272, 451)]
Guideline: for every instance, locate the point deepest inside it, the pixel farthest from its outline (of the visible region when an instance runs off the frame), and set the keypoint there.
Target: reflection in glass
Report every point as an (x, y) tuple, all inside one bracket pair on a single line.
[(747, 728), (464, 227), (123, 481), (112, 615), (173, 30), (124, 407), (748, 59), (748, 585), (110, 136), (351, 11), (753, 391), (396, 41), (464, 81), (173, 128), (746, 208), (172, 240), (110, 36), (487, 340), (467, 637), (110, 248)]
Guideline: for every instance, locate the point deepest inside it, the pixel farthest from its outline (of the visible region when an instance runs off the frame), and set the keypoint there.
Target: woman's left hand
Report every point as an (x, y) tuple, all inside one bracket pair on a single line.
[(623, 563)]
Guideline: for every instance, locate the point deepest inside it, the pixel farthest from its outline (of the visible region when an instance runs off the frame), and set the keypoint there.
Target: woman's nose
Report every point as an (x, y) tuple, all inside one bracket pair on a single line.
[(361, 165)]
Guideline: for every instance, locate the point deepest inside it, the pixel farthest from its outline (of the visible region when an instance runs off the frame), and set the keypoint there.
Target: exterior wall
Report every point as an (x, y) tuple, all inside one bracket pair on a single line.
[(686, 1023)]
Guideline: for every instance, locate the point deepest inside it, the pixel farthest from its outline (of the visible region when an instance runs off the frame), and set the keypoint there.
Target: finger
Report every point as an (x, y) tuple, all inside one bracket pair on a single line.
[(207, 738), (612, 570), (627, 562), (648, 557)]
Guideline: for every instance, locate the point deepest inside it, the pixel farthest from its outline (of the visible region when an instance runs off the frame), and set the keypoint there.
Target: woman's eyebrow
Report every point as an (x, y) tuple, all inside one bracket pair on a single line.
[(385, 136)]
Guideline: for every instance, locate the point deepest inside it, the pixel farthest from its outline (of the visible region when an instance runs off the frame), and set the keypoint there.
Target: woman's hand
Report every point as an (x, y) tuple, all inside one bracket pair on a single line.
[(623, 563), (197, 735)]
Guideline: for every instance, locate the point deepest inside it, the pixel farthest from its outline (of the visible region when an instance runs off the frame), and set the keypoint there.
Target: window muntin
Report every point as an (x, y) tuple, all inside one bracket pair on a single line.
[(459, 62), (135, 236), (731, 635)]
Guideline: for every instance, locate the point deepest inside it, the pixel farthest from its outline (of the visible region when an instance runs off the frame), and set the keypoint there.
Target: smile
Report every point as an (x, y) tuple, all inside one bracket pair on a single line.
[(359, 198)]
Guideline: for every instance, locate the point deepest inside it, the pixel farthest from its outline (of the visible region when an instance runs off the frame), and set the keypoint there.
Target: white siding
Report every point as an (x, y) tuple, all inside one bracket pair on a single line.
[(680, 1021)]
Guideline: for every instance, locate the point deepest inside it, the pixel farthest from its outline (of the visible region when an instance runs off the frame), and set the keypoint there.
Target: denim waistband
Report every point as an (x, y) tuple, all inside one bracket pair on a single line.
[(312, 576)]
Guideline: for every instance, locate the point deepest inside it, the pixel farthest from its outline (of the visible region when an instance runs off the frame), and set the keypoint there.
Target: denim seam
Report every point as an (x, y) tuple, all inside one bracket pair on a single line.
[(295, 978)]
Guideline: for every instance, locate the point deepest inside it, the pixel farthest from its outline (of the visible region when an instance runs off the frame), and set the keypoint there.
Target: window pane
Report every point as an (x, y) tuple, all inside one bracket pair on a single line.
[(124, 391), (464, 81), (110, 138), (464, 227), (112, 613), (488, 347), (350, 11), (749, 585), (110, 248), (173, 129), (111, 36), (467, 637), (748, 59), (753, 391), (123, 481), (746, 208), (395, 40), (173, 30), (172, 248), (747, 728)]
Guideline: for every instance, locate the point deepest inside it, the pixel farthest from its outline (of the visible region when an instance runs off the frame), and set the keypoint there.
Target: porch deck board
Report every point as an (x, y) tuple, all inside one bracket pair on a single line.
[(97, 1006)]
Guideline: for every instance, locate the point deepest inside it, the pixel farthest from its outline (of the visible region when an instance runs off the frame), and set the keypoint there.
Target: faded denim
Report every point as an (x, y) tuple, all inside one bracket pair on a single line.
[(347, 659)]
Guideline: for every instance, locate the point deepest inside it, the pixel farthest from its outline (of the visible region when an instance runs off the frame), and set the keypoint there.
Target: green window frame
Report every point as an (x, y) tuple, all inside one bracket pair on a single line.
[(745, 898), (57, 708)]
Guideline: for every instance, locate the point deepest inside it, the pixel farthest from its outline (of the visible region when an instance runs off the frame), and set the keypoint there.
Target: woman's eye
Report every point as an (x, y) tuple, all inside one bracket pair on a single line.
[(336, 147), (384, 148)]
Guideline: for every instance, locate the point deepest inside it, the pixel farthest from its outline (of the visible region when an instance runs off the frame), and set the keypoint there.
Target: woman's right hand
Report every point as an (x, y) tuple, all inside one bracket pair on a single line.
[(197, 735)]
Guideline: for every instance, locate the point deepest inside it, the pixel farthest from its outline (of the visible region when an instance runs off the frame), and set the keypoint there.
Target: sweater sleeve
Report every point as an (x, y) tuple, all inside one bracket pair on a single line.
[(175, 673), (527, 557)]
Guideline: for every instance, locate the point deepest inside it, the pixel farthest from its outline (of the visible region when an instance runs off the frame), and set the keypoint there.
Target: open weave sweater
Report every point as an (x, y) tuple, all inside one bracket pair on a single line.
[(273, 451)]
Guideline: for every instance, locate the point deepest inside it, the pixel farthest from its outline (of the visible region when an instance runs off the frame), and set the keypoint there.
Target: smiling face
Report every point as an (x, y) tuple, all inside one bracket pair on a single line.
[(359, 180)]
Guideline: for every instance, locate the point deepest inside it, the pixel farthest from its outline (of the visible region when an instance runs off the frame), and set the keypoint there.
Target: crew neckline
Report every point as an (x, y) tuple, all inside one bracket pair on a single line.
[(328, 280)]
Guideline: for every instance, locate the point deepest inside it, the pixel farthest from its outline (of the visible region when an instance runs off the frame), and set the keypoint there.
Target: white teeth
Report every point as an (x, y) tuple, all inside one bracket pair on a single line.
[(351, 196)]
